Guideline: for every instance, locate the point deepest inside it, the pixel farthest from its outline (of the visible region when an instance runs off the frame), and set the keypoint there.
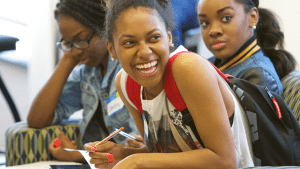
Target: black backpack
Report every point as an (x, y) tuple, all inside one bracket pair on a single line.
[(275, 131)]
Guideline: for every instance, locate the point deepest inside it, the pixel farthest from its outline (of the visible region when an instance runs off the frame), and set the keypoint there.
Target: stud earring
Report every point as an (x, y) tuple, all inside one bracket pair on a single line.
[(172, 45), (254, 27), (113, 59)]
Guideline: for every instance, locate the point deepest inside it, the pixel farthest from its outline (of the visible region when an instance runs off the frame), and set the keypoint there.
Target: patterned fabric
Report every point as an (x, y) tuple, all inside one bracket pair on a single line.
[(27, 145), (291, 92)]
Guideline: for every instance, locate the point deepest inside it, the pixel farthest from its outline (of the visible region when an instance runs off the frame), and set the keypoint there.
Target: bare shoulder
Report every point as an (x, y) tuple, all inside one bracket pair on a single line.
[(188, 65)]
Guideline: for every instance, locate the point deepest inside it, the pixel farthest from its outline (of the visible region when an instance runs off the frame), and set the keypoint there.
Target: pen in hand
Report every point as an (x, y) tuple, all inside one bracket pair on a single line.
[(129, 136), (107, 138)]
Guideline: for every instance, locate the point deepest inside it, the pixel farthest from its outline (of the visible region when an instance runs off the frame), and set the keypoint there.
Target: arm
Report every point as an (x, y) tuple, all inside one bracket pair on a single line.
[(204, 100), (41, 113)]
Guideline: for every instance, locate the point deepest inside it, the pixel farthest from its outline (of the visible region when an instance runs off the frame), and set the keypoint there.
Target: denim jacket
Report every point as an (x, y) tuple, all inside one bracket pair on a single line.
[(84, 89), (251, 64)]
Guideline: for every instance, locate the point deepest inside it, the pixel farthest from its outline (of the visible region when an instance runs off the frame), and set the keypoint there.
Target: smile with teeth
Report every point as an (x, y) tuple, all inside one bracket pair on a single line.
[(147, 68)]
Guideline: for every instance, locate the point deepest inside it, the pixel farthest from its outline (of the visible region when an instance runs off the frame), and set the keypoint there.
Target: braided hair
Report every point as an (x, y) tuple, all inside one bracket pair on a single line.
[(90, 13), (271, 39), (163, 7)]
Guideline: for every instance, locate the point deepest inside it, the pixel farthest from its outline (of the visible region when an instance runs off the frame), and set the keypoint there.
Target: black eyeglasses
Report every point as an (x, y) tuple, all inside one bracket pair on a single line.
[(68, 45)]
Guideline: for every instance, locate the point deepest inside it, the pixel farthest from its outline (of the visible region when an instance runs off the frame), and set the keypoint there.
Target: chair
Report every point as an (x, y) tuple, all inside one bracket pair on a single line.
[(9, 100), (291, 92), (27, 145), (8, 43)]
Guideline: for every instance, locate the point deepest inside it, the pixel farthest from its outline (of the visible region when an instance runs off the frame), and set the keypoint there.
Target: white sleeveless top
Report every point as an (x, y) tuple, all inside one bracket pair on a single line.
[(159, 137)]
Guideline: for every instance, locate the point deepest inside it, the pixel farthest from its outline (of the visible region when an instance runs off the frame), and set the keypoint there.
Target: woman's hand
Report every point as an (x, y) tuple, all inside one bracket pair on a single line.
[(60, 154), (135, 144), (69, 59), (102, 155)]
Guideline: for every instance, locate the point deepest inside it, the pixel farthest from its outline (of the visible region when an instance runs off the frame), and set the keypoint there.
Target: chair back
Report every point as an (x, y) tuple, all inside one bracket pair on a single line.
[(291, 92), (10, 101)]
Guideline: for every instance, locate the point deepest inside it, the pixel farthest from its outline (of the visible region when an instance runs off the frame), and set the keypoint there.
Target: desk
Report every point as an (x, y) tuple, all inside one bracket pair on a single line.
[(40, 165)]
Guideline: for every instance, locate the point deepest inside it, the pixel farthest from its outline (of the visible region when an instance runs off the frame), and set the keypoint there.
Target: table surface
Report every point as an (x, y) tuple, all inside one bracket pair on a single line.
[(41, 165)]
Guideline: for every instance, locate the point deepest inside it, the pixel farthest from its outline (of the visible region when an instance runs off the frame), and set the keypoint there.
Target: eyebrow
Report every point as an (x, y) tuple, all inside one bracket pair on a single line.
[(78, 34), (219, 11), (131, 36)]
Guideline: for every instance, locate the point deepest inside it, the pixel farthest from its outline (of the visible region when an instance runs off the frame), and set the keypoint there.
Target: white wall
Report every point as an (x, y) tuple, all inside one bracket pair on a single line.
[(32, 21), (289, 18), (289, 14), (42, 61)]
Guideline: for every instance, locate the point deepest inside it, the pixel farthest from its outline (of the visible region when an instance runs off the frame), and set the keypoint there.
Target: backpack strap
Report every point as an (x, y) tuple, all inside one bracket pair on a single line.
[(133, 91), (170, 86), (175, 98)]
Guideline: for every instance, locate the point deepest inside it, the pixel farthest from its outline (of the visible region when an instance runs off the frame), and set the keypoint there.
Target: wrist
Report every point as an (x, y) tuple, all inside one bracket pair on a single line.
[(130, 151)]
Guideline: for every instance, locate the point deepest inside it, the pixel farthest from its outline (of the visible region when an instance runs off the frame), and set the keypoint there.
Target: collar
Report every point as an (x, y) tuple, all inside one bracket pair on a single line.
[(248, 49)]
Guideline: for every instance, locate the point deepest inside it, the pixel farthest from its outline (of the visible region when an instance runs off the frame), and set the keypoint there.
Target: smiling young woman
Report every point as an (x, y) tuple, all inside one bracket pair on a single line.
[(139, 36), (246, 41)]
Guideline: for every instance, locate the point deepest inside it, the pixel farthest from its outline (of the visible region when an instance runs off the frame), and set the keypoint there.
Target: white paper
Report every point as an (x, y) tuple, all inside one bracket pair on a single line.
[(86, 156)]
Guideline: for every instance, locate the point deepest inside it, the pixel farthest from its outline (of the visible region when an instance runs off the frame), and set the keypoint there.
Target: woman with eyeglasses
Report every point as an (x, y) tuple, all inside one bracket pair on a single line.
[(83, 79)]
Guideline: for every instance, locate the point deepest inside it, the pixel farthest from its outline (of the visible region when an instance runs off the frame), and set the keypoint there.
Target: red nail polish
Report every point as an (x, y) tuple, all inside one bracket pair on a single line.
[(57, 143), (93, 148), (110, 158)]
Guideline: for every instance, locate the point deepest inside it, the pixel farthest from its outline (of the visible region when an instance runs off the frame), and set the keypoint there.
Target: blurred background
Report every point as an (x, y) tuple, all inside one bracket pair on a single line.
[(25, 70)]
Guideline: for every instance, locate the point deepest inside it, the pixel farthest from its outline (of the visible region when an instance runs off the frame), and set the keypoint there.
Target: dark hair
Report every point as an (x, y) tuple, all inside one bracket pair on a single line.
[(271, 39), (90, 13), (163, 7)]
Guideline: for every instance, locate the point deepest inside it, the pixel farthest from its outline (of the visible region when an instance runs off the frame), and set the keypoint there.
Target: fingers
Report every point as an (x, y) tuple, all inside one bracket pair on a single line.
[(63, 141), (100, 148), (70, 58), (138, 137), (101, 159), (133, 143), (51, 145), (63, 137)]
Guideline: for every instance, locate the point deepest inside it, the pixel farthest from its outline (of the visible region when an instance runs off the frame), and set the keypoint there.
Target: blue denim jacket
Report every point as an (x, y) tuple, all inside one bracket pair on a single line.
[(250, 63), (84, 89), (257, 69)]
